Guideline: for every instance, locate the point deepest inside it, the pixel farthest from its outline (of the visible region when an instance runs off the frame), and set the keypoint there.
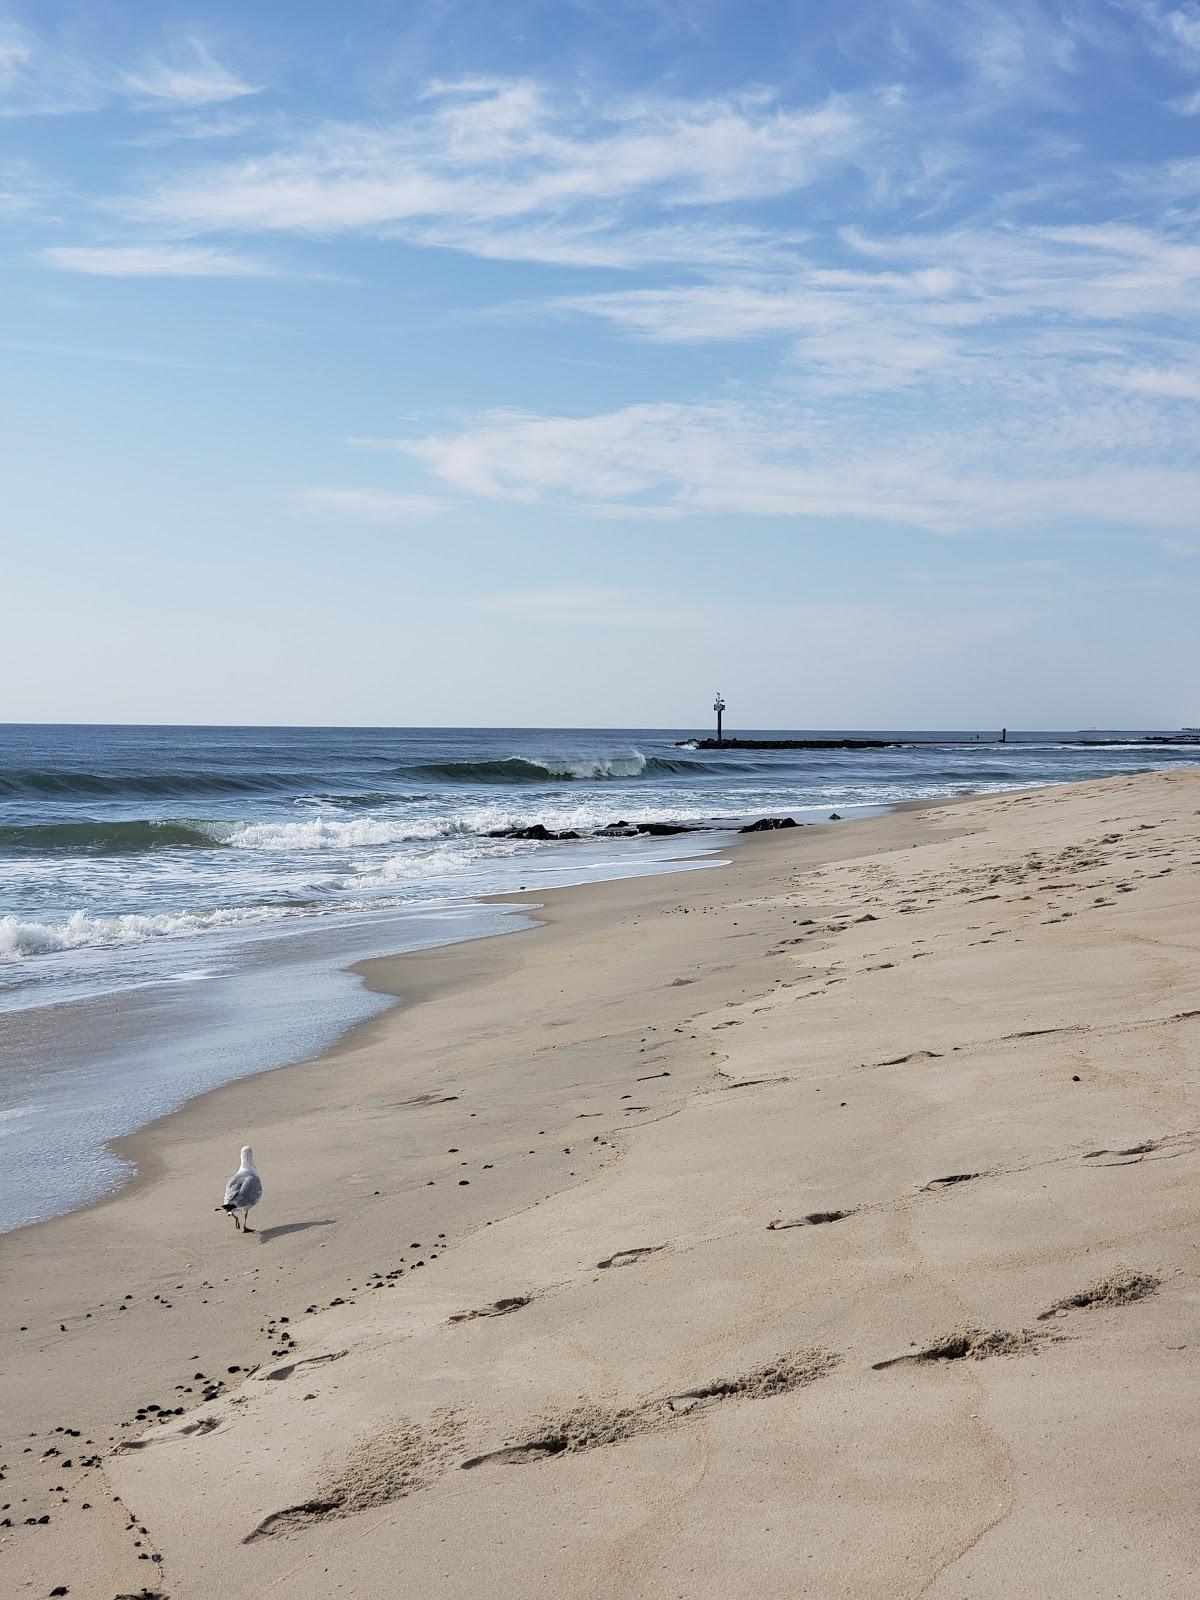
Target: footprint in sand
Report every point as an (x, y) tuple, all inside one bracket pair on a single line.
[(1121, 1288), (974, 1344), (1121, 1158), (626, 1258), (813, 1220), (498, 1308), (591, 1427), (278, 1373), (913, 1055)]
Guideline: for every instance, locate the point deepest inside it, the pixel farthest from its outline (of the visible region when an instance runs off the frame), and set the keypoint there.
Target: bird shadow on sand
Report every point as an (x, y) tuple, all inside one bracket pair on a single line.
[(265, 1235)]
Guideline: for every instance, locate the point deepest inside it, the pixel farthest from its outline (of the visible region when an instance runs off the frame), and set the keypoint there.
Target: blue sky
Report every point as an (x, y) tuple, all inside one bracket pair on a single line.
[(558, 363)]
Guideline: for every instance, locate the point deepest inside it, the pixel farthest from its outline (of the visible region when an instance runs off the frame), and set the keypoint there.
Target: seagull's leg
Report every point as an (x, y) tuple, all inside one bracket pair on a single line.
[(237, 1225), (246, 1228)]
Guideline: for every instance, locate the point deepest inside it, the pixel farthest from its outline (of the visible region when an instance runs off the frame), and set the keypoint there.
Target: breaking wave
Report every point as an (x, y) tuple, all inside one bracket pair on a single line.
[(82, 930), (518, 769), (577, 769)]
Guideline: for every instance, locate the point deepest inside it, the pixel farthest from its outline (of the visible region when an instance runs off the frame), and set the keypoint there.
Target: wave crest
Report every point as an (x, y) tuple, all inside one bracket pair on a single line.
[(82, 930), (546, 769)]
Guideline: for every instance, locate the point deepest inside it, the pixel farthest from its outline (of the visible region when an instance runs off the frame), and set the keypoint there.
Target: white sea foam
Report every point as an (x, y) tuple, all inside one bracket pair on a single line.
[(334, 833), (82, 930), (584, 767)]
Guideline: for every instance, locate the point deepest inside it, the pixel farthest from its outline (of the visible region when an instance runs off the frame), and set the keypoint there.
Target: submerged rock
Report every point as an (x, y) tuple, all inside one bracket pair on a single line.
[(535, 830), (539, 832)]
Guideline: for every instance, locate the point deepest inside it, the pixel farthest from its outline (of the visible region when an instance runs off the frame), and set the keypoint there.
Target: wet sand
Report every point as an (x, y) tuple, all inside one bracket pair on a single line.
[(819, 1224)]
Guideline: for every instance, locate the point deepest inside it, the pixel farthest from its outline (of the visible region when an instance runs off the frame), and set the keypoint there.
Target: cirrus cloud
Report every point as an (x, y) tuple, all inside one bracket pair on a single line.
[(156, 261)]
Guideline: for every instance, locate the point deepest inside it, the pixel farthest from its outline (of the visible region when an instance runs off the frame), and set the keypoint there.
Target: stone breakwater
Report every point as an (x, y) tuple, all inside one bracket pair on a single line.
[(631, 830)]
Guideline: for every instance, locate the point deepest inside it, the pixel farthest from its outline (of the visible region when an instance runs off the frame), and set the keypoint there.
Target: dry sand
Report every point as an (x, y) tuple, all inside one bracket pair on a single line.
[(821, 1224)]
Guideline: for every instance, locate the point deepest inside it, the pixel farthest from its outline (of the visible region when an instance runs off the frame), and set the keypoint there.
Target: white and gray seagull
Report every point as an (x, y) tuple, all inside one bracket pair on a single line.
[(242, 1191)]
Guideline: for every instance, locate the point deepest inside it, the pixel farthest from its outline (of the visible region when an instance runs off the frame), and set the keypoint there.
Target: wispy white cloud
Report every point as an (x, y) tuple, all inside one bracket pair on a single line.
[(1176, 27), (189, 76), (510, 169), (157, 261), (946, 304), (1172, 383), (579, 242), (1050, 461), (16, 51), (47, 76), (1014, 46), (37, 79), (1174, 31), (22, 189), (373, 505), (199, 125)]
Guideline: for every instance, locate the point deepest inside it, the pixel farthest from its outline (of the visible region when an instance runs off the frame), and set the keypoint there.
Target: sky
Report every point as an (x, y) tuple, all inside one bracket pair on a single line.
[(560, 362)]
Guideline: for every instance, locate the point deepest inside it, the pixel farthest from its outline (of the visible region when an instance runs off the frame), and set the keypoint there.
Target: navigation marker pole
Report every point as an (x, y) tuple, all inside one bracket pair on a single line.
[(719, 708)]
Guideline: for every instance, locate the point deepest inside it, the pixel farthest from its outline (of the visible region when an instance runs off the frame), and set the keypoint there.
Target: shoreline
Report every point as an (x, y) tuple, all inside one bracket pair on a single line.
[(134, 1149), (665, 1077), (428, 973), (127, 1148), (117, 1147)]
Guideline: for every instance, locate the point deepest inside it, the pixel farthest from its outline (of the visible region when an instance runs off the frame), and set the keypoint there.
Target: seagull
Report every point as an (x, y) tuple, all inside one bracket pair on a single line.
[(242, 1191)]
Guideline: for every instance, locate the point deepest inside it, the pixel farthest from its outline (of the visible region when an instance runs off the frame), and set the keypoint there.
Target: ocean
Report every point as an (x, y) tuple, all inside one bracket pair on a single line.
[(178, 905)]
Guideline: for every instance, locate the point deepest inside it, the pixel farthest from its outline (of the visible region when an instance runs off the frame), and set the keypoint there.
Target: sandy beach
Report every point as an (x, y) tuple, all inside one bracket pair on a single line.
[(824, 1223)]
